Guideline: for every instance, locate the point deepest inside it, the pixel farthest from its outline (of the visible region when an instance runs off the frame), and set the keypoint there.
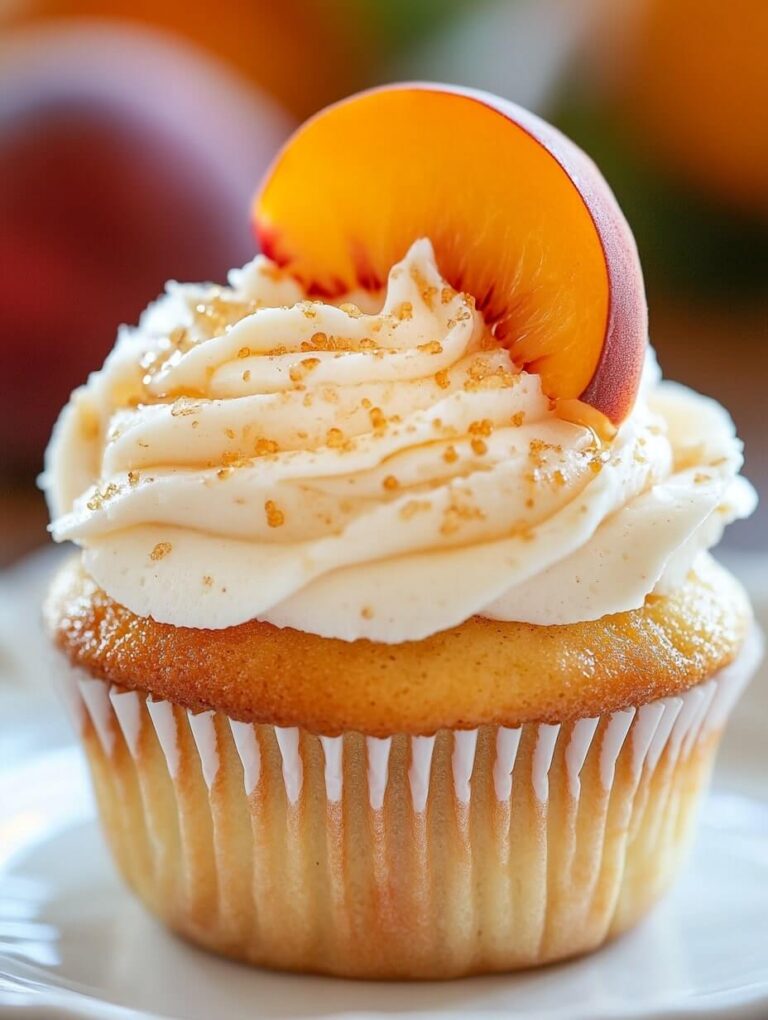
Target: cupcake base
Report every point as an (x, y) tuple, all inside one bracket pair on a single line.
[(467, 852)]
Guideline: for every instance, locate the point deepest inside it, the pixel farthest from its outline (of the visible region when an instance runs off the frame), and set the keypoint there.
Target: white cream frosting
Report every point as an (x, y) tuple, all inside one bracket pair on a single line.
[(245, 453)]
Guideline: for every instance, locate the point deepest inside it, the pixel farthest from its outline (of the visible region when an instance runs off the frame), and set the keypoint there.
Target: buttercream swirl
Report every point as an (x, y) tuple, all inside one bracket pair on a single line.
[(371, 470)]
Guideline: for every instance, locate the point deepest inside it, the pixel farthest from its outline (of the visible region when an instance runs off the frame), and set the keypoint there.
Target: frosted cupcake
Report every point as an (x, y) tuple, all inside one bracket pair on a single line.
[(394, 641)]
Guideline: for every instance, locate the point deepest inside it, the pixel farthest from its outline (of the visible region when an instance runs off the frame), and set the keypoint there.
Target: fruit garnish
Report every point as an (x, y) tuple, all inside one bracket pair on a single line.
[(519, 217)]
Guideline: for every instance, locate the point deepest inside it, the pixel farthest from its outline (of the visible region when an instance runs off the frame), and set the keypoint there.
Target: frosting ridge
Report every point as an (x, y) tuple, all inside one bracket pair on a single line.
[(373, 468)]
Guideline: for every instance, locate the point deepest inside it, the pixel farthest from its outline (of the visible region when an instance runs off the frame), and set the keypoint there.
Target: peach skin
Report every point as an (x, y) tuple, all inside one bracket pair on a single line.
[(519, 216)]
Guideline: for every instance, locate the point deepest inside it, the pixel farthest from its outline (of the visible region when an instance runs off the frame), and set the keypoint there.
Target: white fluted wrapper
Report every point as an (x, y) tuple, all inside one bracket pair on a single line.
[(434, 856)]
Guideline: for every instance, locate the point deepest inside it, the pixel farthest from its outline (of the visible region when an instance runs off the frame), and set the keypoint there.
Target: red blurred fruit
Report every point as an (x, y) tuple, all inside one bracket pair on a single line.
[(110, 184)]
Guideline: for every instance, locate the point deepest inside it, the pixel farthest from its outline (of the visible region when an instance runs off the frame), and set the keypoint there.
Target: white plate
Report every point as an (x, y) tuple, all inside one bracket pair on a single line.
[(74, 943)]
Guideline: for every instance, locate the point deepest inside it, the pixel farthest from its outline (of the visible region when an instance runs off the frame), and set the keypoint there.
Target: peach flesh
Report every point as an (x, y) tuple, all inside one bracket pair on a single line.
[(519, 216)]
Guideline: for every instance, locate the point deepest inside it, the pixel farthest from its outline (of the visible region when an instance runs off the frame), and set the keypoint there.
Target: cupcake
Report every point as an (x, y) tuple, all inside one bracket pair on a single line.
[(393, 640)]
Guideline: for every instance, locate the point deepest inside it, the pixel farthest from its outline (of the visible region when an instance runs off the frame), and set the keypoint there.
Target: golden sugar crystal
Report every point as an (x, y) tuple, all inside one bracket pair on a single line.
[(264, 447), (133, 478), (404, 311), (334, 438), (352, 310), (184, 406), (390, 483), (479, 446), (207, 581), (432, 347), (479, 370), (484, 427), (446, 295), (160, 551), (518, 418), (442, 380), (449, 455), (275, 516), (378, 418), (244, 352), (99, 498), (427, 292), (500, 379)]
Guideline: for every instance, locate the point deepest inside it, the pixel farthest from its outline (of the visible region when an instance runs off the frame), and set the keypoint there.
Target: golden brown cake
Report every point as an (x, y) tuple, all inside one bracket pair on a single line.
[(394, 640), (463, 804)]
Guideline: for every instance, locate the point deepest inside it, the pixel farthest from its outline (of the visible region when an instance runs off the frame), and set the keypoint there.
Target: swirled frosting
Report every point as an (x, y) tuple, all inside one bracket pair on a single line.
[(374, 468)]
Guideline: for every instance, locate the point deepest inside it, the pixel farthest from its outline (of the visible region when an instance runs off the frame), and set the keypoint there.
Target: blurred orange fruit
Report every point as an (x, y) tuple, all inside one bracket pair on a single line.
[(691, 78), (305, 53)]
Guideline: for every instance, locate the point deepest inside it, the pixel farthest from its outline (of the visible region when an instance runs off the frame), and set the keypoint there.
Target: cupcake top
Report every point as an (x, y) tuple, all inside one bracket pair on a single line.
[(374, 465)]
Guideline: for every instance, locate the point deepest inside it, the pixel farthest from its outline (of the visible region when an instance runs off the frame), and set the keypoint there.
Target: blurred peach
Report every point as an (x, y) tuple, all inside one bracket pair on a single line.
[(690, 78), (123, 161), (305, 53)]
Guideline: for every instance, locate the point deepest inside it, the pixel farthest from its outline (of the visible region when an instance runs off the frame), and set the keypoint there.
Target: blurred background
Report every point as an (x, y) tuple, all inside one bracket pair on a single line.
[(133, 134)]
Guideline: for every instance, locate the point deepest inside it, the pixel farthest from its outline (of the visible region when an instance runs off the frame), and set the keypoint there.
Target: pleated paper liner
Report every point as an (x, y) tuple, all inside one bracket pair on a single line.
[(436, 856)]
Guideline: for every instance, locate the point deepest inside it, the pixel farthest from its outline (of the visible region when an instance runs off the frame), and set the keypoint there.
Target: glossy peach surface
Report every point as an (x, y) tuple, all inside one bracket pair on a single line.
[(519, 216)]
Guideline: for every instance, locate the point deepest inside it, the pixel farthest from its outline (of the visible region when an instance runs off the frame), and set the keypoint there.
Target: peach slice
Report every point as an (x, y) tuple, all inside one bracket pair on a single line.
[(519, 217)]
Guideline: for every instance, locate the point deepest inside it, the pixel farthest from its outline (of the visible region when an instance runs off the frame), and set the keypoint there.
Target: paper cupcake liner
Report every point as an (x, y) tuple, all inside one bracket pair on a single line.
[(433, 856)]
